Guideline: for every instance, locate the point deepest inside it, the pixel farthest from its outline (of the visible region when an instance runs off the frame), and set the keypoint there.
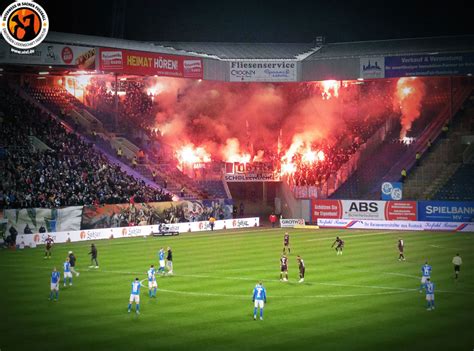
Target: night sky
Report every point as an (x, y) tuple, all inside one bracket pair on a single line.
[(259, 21)]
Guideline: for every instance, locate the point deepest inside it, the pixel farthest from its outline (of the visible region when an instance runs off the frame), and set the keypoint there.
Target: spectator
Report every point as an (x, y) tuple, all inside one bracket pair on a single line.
[(272, 218), (404, 175), (241, 209), (445, 131), (119, 152), (428, 145), (182, 191), (141, 156), (153, 175), (418, 158), (211, 222)]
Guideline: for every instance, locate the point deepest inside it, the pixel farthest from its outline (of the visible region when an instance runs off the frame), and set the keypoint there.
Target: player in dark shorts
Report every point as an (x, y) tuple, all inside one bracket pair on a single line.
[(301, 268), (48, 245), (286, 243), (284, 268), (401, 246), (339, 245)]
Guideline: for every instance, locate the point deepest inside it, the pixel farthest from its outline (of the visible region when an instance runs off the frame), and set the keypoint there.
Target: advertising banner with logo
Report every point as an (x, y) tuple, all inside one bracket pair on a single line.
[(250, 172), (446, 211), (263, 71), (56, 219), (364, 209), (392, 191), (149, 63), (429, 65), (111, 216), (31, 240), (52, 55), (395, 225), (372, 67), (291, 223)]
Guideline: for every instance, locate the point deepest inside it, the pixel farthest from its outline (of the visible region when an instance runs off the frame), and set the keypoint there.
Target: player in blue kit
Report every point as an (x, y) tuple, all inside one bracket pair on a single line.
[(152, 285), (161, 258), (55, 278), (259, 298), (67, 272), (135, 296), (429, 288), (426, 275)]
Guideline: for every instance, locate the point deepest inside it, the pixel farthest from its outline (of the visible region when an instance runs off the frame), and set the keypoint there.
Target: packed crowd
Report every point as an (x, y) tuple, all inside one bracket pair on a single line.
[(316, 173), (70, 172)]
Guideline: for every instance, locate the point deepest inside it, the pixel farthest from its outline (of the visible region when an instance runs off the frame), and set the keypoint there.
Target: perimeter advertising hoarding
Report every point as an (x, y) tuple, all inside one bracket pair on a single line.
[(263, 71), (250, 172), (364, 209), (446, 211), (396, 225), (429, 65), (149, 63), (82, 57)]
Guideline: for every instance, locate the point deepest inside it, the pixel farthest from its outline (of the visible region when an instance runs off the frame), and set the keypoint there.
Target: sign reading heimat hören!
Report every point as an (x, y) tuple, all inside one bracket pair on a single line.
[(263, 71)]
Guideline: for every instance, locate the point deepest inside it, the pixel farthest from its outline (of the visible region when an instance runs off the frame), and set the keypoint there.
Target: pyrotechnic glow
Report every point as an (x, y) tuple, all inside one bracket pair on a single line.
[(190, 154), (321, 155), (330, 88), (409, 94), (156, 89), (309, 156)]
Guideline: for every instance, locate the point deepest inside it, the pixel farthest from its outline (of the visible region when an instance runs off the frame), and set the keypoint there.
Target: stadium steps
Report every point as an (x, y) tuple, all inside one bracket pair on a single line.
[(460, 186)]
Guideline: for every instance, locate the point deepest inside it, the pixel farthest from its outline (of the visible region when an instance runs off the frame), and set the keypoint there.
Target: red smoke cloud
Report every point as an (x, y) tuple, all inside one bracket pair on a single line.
[(243, 120), (409, 96)]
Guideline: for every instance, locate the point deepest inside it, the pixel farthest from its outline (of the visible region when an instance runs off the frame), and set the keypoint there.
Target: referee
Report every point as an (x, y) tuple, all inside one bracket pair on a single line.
[(457, 262)]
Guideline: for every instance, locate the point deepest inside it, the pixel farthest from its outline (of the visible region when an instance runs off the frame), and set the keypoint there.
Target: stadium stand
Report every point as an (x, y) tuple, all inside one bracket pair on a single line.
[(70, 172)]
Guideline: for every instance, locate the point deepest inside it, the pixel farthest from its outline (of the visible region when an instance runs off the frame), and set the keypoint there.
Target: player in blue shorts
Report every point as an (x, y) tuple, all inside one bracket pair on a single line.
[(55, 278), (429, 288), (67, 272), (152, 285), (161, 258), (135, 296), (259, 299), (426, 275)]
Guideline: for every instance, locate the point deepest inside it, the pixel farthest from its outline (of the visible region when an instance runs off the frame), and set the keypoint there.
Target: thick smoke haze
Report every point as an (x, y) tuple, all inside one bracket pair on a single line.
[(232, 121)]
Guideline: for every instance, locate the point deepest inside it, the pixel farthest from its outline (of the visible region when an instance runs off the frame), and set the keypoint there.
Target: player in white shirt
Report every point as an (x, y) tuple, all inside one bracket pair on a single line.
[(457, 262), (67, 272), (152, 285), (135, 296)]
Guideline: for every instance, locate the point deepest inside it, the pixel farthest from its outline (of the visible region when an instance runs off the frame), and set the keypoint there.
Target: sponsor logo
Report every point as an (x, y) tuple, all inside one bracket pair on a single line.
[(363, 207), (111, 59), (36, 238), (24, 25), (192, 67), (93, 234), (67, 55), (124, 231), (387, 188), (83, 235)]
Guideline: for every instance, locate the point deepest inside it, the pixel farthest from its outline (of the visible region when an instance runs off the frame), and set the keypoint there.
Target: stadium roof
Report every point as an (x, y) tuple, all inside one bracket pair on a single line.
[(395, 47), (282, 51)]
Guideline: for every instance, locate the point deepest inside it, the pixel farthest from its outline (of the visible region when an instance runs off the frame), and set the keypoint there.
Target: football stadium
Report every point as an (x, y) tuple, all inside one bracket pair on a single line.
[(221, 195)]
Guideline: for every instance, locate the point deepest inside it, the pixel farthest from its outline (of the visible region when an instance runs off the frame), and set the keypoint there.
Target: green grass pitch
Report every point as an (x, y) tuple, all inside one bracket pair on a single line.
[(363, 300)]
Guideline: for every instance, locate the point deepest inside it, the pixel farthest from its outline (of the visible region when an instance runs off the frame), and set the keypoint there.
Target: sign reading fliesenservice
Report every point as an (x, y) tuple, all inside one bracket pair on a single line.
[(263, 71)]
